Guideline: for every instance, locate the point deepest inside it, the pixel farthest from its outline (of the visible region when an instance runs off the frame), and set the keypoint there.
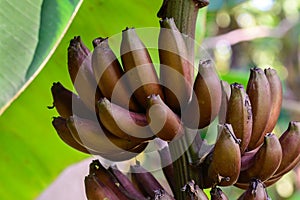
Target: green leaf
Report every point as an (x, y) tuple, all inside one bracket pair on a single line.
[(32, 154), (30, 32)]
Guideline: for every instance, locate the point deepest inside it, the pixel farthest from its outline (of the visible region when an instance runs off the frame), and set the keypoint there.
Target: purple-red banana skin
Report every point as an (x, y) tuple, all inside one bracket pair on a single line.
[(258, 90)]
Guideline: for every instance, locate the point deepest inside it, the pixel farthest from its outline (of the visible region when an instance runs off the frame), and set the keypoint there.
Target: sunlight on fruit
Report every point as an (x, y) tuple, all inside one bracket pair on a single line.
[(284, 186)]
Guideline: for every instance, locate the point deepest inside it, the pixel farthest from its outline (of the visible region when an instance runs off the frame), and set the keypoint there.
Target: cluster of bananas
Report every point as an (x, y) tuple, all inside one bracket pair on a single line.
[(119, 109)]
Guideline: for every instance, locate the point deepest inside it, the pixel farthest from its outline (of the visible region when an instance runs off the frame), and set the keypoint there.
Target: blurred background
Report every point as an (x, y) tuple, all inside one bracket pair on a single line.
[(238, 35)]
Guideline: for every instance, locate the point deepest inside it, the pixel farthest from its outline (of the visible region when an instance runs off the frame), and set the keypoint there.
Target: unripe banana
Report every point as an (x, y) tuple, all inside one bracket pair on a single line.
[(139, 67), (163, 122), (255, 191), (145, 180), (63, 132), (123, 123), (217, 194), (266, 161), (96, 190), (108, 179), (175, 66), (95, 137), (276, 96), (290, 143), (206, 101), (81, 73), (124, 181), (226, 92), (258, 90), (225, 165), (239, 115), (65, 101), (108, 73)]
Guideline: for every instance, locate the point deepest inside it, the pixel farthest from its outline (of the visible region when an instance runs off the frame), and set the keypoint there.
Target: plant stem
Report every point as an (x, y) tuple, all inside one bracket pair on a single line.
[(185, 14)]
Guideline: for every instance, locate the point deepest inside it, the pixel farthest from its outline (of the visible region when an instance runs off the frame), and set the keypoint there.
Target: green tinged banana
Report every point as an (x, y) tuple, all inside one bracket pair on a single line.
[(95, 189), (64, 133), (66, 102), (217, 194), (258, 90), (290, 143), (266, 161), (95, 137), (206, 100), (139, 68), (163, 122), (175, 66), (276, 96), (81, 73), (239, 115), (108, 73), (124, 181), (255, 191), (123, 123), (145, 180), (226, 92), (225, 164)]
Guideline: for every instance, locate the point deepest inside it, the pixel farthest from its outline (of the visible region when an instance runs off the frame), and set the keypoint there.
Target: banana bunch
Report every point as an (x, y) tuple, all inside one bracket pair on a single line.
[(119, 107)]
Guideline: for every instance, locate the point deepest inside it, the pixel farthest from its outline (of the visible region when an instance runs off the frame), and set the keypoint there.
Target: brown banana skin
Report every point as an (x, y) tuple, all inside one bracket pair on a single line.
[(175, 66), (163, 122), (217, 194), (64, 133), (122, 123), (239, 115), (266, 161), (97, 169), (124, 181), (206, 100), (255, 191), (226, 92), (276, 96), (290, 142), (145, 180), (95, 189), (194, 192), (81, 73), (258, 90), (108, 73), (65, 100), (139, 67), (95, 137), (225, 165)]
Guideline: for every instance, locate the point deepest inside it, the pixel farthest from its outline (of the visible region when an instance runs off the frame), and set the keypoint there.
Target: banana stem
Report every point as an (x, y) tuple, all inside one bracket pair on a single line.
[(185, 14)]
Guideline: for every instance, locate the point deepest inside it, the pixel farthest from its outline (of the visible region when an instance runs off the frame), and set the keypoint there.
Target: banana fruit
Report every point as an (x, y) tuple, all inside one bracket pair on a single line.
[(267, 160), (225, 163), (93, 136), (255, 191), (259, 92), (276, 96), (206, 99), (108, 73), (66, 102), (163, 122), (239, 115), (217, 194), (175, 66), (123, 123), (194, 192), (81, 73), (139, 68)]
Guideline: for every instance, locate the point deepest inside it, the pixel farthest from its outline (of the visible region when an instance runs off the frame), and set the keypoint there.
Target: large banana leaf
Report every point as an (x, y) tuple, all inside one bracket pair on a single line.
[(32, 155)]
